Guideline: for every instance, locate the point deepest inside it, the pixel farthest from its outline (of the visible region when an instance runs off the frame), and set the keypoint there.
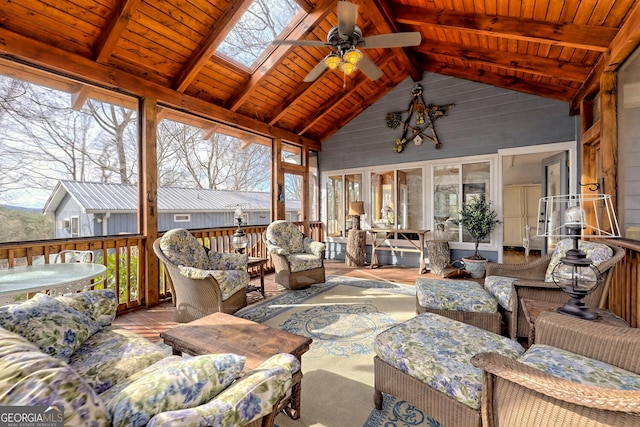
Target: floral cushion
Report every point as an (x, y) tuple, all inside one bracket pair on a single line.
[(112, 355), (230, 281), (247, 399), (597, 252), (173, 384), (437, 351), (578, 368), (101, 305), (29, 377), (57, 328), (303, 262), (501, 289), (313, 247), (227, 261), (285, 235), (181, 248), (456, 295)]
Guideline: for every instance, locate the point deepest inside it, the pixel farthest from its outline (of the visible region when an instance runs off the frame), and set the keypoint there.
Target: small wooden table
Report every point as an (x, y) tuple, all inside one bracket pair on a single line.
[(259, 263), (225, 333), (532, 308), (386, 233)]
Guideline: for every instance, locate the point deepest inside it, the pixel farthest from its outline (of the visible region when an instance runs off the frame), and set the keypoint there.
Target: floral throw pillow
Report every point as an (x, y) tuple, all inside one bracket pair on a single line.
[(228, 261), (176, 384), (52, 325)]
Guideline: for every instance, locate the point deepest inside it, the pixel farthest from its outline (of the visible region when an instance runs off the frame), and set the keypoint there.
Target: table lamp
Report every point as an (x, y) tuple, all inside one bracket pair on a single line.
[(239, 240), (355, 210), (575, 274)]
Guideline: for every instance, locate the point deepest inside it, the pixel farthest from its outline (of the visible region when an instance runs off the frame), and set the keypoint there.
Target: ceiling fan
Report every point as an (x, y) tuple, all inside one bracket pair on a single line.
[(345, 40)]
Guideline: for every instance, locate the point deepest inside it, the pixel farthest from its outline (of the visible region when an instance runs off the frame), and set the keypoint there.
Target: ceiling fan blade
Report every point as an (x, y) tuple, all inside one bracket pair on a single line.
[(301, 42), (347, 14), (391, 40), (369, 68), (316, 72)]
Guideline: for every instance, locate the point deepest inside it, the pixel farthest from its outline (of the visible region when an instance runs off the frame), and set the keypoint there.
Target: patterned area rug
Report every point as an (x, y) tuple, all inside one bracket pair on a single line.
[(342, 316)]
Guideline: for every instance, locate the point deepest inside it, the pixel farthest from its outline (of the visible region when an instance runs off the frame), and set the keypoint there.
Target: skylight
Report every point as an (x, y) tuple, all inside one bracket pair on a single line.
[(257, 28)]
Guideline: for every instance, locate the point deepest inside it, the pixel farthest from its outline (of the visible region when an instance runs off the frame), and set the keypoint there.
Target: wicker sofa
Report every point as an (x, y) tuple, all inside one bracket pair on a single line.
[(63, 351), (509, 283), (582, 374)]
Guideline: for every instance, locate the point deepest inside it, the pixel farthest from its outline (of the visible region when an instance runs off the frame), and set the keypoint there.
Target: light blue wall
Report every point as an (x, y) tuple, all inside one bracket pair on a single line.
[(484, 119)]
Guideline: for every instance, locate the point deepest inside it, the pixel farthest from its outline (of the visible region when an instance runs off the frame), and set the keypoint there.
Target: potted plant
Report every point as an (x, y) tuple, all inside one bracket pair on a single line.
[(479, 220)]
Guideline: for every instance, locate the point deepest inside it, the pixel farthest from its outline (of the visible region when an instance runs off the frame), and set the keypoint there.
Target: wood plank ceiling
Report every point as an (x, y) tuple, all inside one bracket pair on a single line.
[(543, 47)]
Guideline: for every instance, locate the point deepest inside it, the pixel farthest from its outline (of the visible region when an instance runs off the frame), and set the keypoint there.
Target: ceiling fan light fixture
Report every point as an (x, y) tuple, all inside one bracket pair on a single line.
[(347, 67), (352, 56), (332, 60)]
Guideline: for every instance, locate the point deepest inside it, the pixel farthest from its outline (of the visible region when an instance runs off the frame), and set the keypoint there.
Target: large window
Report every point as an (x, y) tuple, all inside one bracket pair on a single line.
[(396, 199), (209, 170), (454, 185), (63, 144), (341, 190)]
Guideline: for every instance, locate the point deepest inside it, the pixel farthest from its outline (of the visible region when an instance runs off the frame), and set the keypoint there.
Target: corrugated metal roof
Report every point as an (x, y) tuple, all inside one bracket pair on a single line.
[(105, 197)]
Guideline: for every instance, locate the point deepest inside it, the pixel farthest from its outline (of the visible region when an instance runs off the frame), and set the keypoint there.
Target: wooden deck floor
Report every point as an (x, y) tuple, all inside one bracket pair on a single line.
[(151, 322)]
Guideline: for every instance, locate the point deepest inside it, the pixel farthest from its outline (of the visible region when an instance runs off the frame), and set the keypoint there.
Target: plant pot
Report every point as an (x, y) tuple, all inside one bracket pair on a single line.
[(475, 267)]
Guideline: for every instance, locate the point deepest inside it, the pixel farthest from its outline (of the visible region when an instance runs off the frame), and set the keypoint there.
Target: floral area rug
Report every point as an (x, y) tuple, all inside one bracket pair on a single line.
[(342, 316)]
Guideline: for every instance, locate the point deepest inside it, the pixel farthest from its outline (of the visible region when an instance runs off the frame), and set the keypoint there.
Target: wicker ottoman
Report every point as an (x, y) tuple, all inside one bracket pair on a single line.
[(427, 362), (462, 300)]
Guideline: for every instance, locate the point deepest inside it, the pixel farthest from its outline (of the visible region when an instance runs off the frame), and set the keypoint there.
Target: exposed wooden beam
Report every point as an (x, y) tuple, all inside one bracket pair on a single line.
[(509, 61), (322, 9), (52, 58), (561, 93), (209, 44), (590, 37), (79, 97), (388, 24), (113, 28), (627, 39)]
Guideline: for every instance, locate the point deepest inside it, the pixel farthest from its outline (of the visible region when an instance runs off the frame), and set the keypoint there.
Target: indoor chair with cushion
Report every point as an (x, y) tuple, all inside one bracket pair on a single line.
[(202, 283), (298, 260), (578, 373), (510, 283)]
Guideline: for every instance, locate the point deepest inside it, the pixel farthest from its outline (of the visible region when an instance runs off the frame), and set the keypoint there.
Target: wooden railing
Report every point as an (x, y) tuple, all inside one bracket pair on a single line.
[(119, 254), (624, 296), (125, 274)]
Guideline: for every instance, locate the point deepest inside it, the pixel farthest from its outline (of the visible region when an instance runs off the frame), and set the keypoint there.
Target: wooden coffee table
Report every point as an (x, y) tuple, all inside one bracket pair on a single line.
[(225, 333), (532, 308)]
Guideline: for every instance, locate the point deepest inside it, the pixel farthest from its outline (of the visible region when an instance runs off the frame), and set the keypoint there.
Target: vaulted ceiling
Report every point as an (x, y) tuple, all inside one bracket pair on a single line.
[(165, 49)]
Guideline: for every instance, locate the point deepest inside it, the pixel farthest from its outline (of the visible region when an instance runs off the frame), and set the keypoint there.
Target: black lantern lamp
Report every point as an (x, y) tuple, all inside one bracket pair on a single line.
[(239, 240), (575, 273)]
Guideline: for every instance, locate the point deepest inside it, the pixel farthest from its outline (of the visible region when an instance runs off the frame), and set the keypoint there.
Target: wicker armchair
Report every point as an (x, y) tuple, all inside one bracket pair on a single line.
[(519, 394), (298, 260), (201, 283), (509, 283)]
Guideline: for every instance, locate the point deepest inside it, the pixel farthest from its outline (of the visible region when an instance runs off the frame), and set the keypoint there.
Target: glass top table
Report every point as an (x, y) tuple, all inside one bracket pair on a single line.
[(35, 278)]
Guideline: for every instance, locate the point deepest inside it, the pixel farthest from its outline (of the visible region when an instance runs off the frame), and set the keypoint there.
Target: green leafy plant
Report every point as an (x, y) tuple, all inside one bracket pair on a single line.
[(479, 220)]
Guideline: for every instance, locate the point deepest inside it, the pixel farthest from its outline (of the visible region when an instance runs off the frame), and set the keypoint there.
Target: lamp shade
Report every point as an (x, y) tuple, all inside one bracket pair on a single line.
[(591, 213), (356, 208), (347, 67), (332, 60), (352, 56)]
